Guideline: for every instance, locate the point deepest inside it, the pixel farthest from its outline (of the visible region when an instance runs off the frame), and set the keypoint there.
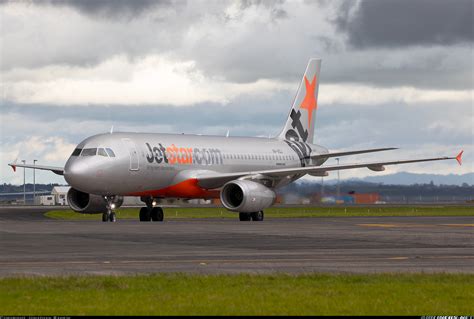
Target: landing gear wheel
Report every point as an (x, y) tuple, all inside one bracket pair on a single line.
[(145, 214), (157, 214), (244, 217), (109, 215), (257, 216)]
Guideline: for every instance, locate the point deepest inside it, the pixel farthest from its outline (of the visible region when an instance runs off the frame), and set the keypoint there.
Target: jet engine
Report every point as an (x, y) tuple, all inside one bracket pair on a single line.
[(89, 203), (245, 196)]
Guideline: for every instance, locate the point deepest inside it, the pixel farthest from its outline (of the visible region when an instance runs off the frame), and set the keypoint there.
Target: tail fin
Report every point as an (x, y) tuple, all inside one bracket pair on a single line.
[(300, 123)]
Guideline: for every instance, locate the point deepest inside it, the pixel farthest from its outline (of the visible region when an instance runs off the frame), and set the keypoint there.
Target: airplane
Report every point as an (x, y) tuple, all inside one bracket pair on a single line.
[(242, 171)]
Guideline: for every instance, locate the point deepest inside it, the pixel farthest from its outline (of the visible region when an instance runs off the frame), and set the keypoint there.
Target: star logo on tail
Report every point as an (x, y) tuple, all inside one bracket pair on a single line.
[(309, 103)]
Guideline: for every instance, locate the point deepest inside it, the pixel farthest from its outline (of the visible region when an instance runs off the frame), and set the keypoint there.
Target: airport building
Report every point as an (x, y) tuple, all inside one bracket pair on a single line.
[(58, 197)]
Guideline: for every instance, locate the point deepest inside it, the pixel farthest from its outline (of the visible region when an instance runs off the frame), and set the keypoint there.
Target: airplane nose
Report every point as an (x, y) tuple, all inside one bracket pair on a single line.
[(76, 174)]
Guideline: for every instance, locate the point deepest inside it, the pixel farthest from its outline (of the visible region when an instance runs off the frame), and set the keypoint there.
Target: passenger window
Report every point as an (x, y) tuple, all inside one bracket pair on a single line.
[(76, 152), (110, 152), (102, 152), (89, 152)]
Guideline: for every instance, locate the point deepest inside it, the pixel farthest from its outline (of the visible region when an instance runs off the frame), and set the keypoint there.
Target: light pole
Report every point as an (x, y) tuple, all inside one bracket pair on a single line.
[(322, 186), (338, 180), (34, 182), (24, 183)]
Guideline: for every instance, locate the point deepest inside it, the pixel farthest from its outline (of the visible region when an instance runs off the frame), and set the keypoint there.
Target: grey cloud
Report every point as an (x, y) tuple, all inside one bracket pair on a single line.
[(394, 23), (233, 51), (275, 6), (243, 117), (398, 125), (114, 9), (337, 126)]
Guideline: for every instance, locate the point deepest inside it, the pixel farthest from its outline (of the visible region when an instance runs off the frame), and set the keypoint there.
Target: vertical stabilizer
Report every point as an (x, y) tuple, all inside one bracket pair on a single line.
[(300, 123)]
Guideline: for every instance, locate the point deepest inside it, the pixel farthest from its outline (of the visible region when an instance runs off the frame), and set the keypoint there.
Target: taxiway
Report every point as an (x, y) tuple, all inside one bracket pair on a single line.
[(33, 244)]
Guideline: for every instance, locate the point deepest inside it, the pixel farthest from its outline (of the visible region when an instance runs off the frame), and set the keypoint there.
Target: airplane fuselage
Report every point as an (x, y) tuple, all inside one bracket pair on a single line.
[(165, 165)]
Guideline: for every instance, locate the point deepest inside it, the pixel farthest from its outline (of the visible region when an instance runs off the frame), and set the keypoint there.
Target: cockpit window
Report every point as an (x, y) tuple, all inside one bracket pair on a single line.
[(76, 152), (89, 152), (101, 152), (110, 152)]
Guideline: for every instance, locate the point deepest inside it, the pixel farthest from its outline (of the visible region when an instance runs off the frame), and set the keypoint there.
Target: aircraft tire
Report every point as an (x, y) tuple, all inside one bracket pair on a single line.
[(112, 217), (257, 216), (157, 214), (145, 215), (105, 218), (245, 217)]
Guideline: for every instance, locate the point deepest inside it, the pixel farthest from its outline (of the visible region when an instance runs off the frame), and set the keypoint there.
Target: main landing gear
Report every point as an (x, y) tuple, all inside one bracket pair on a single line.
[(109, 216), (256, 217), (150, 213)]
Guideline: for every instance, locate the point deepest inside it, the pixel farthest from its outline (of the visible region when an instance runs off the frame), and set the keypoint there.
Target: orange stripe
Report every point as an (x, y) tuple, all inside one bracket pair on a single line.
[(185, 189)]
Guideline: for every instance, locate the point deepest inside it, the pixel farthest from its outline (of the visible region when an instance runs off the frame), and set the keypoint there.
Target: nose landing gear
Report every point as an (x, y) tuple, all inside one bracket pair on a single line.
[(109, 216)]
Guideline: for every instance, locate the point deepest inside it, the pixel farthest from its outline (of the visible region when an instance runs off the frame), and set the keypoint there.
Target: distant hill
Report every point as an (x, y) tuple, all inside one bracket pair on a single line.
[(404, 178)]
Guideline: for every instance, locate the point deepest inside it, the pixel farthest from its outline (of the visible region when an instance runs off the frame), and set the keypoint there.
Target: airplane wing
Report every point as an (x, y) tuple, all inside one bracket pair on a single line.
[(208, 180), (54, 169), (320, 156)]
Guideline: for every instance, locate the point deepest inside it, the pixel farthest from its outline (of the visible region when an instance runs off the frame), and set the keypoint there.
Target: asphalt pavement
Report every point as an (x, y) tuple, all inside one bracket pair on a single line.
[(31, 243)]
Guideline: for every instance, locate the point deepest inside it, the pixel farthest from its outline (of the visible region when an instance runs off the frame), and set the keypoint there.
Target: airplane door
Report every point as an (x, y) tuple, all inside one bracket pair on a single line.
[(134, 161)]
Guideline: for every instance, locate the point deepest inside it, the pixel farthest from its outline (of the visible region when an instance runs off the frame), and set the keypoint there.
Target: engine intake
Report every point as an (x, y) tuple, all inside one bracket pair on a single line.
[(246, 196), (89, 203)]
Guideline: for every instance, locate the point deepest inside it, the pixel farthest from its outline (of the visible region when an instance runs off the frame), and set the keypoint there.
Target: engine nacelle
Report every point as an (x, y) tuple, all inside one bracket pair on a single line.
[(245, 196), (89, 203)]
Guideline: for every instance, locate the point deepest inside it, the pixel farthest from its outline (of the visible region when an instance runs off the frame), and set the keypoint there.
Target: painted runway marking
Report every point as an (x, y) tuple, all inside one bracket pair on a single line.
[(229, 261), (378, 225), (458, 225), (413, 225)]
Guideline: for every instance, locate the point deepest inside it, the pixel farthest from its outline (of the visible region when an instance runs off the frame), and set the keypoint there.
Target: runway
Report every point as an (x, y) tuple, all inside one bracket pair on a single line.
[(33, 244)]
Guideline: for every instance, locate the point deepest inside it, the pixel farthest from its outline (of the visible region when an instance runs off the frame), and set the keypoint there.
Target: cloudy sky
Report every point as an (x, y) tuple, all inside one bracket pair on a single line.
[(394, 73)]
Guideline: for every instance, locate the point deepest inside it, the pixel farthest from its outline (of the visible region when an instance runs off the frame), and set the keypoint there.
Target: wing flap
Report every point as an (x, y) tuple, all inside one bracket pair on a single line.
[(336, 154)]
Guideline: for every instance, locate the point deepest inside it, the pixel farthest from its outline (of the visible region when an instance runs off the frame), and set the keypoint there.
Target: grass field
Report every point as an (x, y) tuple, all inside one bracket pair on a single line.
[(282, 212), (178, 294)]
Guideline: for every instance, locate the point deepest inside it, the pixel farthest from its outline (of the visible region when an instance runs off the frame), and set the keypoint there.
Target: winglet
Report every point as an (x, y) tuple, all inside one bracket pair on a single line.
[(459, 157), (13, 165)]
